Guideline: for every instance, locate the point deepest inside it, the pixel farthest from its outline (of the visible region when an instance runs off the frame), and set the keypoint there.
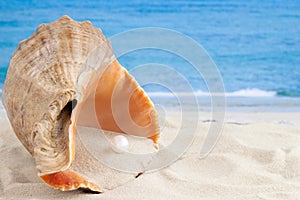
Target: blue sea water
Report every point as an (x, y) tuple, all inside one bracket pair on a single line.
[(255, 44)]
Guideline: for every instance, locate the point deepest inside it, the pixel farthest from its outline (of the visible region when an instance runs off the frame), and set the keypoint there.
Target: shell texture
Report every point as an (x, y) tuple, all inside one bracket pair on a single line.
[(63, 69)]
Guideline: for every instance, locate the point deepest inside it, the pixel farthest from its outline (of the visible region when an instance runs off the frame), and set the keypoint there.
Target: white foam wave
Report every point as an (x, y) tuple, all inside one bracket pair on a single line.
[(253, 92)]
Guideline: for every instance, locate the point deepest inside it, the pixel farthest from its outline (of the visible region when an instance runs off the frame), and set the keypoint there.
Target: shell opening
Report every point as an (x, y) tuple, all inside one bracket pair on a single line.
[(54, 144), (64, 119)]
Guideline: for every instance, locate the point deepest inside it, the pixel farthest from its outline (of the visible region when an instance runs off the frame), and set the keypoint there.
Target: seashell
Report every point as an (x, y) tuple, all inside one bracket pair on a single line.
[(56, 78)]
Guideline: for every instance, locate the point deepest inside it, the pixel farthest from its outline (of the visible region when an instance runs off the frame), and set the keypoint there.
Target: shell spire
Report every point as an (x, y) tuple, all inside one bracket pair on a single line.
[(56, 78)]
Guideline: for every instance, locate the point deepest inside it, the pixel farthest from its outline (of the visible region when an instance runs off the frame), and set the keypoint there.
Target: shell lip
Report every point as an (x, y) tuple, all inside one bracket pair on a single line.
[(48, 159), (51, 151)]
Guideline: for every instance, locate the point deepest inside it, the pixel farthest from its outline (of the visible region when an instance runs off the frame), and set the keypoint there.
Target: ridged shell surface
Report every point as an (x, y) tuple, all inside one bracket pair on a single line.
[(42, 78)]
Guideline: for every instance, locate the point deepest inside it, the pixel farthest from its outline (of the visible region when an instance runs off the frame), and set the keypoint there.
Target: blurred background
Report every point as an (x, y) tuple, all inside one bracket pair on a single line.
[(255, 44)]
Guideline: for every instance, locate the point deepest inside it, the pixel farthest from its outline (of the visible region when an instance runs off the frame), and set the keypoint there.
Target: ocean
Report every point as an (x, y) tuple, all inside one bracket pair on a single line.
[(254, 44)]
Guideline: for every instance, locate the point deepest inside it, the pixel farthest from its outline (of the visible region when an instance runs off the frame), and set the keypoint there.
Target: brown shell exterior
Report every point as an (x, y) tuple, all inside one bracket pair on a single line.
[(41, 80)]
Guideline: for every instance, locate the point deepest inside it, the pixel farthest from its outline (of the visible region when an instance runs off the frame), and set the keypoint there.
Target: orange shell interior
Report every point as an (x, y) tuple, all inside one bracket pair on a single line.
[(115, 92)]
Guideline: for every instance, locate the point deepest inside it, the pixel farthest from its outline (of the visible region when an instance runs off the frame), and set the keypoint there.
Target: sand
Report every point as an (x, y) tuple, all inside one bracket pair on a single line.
[(257, 157)]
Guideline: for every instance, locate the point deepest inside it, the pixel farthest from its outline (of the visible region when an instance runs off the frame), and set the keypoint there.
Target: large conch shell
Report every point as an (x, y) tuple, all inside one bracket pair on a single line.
[(66, 68)]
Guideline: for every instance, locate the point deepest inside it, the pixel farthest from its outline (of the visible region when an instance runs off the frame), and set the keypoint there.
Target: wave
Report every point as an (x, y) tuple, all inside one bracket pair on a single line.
[(250, 92), (254, 92)]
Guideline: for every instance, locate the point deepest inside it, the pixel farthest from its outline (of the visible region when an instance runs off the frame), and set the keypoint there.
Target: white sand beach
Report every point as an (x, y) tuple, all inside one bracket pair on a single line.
[(256, 157)]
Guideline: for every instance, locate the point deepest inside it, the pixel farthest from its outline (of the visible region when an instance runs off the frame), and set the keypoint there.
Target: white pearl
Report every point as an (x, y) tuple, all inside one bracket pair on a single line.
[(120, 144)]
